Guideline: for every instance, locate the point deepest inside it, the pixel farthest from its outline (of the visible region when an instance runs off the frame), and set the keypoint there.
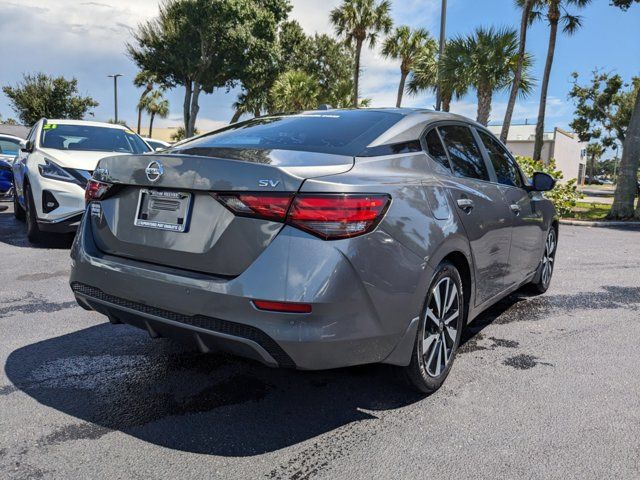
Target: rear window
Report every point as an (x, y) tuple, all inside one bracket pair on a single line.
[(91, 138), (341, 133)]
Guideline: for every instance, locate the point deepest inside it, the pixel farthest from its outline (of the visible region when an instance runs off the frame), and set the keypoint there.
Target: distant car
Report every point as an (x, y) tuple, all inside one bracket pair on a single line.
[(156, 145), (52, 170), (9, 148), (318, 240)]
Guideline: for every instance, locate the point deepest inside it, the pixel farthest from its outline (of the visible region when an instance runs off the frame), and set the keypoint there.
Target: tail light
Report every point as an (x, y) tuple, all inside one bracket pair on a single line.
[(95, 190), (285, 307), (328, 216)]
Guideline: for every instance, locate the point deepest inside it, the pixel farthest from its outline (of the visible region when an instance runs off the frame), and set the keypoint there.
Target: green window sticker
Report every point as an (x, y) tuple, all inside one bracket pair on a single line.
[(50, 126)]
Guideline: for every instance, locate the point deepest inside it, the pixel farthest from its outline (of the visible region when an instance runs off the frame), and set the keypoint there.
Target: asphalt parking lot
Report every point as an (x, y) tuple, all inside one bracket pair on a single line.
[(544, 387)]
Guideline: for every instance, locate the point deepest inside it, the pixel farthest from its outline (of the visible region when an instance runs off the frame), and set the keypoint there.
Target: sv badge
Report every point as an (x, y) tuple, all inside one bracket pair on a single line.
[(268, 183)]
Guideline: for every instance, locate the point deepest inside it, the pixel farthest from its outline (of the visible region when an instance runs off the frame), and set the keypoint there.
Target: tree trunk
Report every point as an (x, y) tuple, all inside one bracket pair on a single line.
[(356, 73), (484, 105), (193, 114), (188, 91), (627, 186), (403, 79), (524, 21), (153, 115), (139, 119), (553, 33), (446, 103), (236, 116)]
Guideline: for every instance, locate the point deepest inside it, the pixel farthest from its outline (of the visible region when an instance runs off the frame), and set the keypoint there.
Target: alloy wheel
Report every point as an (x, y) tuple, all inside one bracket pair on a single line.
[(440, 326), (549, 257)]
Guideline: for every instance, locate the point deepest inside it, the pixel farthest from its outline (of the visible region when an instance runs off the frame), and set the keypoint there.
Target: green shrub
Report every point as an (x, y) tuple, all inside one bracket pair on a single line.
[(564, 195)]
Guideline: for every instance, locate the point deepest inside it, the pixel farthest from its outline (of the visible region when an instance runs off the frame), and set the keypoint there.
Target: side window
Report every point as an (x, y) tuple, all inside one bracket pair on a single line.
[(436, 149), (465, 155), (506, 170)]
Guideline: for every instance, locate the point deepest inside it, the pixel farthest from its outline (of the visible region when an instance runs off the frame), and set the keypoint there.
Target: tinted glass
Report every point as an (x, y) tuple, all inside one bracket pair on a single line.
[(155, 145), (344, 133), (436, 149), (506, 170), (465, 155), (9, 146), (90, 138)]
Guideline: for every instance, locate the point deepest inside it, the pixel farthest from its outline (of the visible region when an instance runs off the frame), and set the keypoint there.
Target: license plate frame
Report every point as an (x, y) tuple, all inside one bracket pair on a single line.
[(147, 216)]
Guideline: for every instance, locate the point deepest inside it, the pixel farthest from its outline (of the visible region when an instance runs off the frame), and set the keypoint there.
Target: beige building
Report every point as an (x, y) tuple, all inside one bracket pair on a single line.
[(565, 147)]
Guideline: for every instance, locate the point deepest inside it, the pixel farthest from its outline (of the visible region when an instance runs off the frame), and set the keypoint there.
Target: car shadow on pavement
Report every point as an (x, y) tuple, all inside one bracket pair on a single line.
[(116, 378), (14, 232)]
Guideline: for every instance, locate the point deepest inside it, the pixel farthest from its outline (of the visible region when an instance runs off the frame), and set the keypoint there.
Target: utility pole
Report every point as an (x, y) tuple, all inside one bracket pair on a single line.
[(443, 22), (115, 93)]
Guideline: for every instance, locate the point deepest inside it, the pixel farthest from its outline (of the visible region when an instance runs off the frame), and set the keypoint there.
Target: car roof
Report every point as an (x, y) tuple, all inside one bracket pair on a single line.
[(88, 123), (13, 137)]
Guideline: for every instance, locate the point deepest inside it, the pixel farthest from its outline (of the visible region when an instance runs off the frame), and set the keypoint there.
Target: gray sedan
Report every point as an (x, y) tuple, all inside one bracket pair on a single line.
[(318, 240)]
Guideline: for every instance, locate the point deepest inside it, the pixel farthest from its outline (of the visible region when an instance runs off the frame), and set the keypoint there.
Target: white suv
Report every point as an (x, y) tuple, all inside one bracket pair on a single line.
[(53, 166)]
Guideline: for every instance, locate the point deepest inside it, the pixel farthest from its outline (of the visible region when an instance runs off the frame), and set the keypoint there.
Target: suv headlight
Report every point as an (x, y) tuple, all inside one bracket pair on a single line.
[(49, 169)]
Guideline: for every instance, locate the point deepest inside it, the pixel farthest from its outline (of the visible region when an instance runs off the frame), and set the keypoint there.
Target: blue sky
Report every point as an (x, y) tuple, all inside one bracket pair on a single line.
[(85, 39)]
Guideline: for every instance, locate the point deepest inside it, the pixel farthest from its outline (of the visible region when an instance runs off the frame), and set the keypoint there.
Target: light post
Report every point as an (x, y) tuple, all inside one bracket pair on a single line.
[(115, 93), (443, 21)]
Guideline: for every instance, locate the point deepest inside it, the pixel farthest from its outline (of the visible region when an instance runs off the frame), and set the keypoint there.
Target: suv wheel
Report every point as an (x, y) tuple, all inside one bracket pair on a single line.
[(34, 234), (439, 331)]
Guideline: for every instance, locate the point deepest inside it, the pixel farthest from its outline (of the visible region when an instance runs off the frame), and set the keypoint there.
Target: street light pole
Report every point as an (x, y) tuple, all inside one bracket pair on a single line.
[(115, 93), (443, 22)]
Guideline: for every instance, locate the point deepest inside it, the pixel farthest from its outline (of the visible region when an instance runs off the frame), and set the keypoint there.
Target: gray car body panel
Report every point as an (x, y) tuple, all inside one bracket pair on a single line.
[(367, 292)]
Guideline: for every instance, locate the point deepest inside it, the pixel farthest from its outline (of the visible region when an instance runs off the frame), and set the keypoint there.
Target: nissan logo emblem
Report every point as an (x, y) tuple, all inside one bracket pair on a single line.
[(154, 171)]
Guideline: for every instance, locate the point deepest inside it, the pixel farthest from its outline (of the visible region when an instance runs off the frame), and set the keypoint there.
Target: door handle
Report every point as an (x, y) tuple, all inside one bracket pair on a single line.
[(515, 208), (465, 204)]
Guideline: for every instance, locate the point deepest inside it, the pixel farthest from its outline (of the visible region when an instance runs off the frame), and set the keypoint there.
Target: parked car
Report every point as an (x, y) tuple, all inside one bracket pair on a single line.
[(51, 171), (9, 147), (318, 240), (156, 145)]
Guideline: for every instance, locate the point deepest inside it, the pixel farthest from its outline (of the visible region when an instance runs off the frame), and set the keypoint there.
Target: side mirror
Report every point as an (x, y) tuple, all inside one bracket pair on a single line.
[(542, 182), (26, 147), (159, 149)]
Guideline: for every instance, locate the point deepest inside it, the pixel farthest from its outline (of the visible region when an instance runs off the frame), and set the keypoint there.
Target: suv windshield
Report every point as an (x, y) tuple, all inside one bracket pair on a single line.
[(91, 138), (346, 132)]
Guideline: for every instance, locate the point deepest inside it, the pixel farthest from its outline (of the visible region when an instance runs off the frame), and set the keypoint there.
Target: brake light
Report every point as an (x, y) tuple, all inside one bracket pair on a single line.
[(285, 307), (95, 190), (328, 216), (269, 206), (337, 216)]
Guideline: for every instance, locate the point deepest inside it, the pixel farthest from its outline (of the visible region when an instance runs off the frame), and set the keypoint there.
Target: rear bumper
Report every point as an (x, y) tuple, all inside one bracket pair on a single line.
[(345, 328)]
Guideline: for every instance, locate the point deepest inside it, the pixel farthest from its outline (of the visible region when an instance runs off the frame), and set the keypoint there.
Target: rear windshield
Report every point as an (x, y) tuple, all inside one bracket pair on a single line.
[(91, 138), (341, 133)]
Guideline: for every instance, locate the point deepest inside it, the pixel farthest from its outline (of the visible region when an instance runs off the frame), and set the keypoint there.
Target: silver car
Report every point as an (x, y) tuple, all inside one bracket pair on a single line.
[(318, 240)]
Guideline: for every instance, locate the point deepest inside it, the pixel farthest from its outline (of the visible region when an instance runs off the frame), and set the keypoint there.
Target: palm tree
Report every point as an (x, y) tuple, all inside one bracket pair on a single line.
[(360, 21), (294, 91), (556, 13), (406, 45), (525, 21), (143, 79), (428, 74), (486, 60), (155, 105)]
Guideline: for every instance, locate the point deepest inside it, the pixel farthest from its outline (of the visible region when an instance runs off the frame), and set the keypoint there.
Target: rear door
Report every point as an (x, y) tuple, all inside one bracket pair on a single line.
[(481, 209), (526, 238)]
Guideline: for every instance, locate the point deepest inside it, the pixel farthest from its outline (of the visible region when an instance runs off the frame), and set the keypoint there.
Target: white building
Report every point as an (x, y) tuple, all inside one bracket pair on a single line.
[(565, 147)]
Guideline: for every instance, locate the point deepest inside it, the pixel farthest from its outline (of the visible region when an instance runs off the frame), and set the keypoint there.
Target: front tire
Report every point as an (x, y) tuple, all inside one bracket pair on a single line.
[(439, 331), (18, 211), (34, 234), (542, 280)]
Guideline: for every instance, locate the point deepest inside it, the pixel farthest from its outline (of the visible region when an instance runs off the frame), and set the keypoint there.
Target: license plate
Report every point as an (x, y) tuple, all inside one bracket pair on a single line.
[(163, 210)]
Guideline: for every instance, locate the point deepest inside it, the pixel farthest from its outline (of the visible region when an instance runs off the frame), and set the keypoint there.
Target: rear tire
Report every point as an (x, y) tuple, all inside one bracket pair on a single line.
[(34, 234), (18, 211), (542, 280), (439, 331)]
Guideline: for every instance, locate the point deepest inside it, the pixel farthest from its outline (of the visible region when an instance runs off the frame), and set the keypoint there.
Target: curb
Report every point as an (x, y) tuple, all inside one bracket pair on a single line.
[(601, 224)]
